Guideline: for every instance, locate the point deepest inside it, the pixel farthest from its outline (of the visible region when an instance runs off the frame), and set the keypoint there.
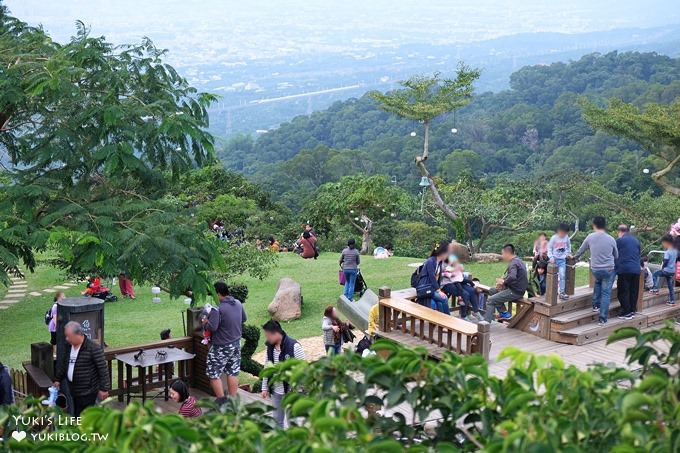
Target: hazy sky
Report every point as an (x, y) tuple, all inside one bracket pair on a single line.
[(261, 29)]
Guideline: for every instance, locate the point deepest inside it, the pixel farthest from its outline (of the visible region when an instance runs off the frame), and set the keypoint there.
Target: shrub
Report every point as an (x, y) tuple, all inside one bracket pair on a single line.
[(239, 291)]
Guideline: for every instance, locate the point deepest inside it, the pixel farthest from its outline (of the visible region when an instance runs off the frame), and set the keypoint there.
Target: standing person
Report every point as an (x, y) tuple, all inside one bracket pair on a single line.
[(179, 393), (511, 287), (84, 366), (6, 391), (125, 285), (332, 330), (540, 250), (280, 347), (559, 248), (52, 326), (627, 271), (603, 256), (308, 243), (349, 262), (224, 357), (429, 278), (667, 271)]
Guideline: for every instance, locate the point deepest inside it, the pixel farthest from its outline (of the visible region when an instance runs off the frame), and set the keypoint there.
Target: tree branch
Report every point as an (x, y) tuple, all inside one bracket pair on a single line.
[(436, 195)]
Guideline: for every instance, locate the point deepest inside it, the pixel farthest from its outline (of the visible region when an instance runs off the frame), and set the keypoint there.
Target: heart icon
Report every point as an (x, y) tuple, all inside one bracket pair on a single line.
[(19, 435)]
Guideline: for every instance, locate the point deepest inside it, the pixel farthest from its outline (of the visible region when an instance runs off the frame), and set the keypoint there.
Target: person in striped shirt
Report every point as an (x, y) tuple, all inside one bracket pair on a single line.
[(179, 392), (280, 347)]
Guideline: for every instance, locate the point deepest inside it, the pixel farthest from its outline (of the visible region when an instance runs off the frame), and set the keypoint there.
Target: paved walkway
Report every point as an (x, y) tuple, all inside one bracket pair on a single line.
[(18, 290)]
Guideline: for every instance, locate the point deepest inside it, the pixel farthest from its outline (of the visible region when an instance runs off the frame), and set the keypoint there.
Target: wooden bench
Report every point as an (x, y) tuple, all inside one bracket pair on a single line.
[(433, 327)]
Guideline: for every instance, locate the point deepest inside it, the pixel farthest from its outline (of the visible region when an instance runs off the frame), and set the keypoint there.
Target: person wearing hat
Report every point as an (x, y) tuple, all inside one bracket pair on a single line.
[(280, 347)]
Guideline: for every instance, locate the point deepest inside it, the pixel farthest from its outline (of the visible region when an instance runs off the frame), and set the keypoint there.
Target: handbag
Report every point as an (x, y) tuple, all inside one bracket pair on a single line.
[(424, 291), (341, 277)]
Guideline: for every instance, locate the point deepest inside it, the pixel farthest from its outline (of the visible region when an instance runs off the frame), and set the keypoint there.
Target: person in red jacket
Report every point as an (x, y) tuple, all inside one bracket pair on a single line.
[(308, 245)]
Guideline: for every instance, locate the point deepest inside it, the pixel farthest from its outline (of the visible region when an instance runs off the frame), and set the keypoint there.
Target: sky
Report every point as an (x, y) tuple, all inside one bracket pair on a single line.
[(271, 28)]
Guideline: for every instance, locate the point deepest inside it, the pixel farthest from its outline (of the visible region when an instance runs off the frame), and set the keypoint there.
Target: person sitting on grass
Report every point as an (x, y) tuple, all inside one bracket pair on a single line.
[(667, 271), (179, 393), (511, 287)]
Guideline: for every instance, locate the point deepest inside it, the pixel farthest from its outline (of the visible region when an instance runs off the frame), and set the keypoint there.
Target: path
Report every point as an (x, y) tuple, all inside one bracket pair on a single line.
[(18, 288)]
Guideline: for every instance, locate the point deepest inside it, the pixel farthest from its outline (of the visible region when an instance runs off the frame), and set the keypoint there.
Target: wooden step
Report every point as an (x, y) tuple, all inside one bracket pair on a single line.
[(590, 333), (580, 317), (582, 298), (659, 313)]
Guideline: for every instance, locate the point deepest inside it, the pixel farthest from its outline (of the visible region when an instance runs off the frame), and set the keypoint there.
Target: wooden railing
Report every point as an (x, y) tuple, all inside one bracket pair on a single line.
[(401, 315)]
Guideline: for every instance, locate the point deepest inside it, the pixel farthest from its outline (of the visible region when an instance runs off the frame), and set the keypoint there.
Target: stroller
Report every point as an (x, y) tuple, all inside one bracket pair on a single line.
[(95, 289), (360, 284)]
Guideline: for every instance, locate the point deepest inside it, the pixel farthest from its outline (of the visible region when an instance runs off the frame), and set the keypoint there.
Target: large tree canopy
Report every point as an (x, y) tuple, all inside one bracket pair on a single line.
[(424, 98), (95, 133), (656, 127)]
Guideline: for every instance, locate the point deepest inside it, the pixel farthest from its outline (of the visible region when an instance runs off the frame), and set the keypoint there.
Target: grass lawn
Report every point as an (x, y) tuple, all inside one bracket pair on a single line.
[(128, 322)]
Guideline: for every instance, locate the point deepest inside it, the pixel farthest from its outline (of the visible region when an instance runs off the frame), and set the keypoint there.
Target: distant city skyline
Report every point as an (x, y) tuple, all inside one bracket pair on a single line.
[(230, 31)]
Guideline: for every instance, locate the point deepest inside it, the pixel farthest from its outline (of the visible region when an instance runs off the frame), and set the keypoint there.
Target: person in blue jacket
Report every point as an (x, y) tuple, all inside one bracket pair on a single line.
[(6, 392), (430, 275), (627, 272)]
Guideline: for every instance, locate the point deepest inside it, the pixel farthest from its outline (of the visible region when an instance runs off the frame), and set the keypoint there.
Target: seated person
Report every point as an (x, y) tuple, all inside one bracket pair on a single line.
[(94, 284), (538, 279), (179, 392), (511, 287), (647, 272), (454, 284)]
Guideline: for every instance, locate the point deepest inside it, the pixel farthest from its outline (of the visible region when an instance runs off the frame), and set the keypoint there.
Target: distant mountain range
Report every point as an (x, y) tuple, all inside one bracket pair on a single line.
[(259, 95)]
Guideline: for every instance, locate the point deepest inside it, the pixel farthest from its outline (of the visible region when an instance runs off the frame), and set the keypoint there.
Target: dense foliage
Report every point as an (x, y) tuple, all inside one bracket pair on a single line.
[(96, 133), (535, 128), (541, 405)]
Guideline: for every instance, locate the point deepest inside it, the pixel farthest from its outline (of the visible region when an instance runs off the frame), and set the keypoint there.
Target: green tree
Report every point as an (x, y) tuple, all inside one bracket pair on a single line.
[(656, 127), (424, 98), (96, 133), (360, 201)]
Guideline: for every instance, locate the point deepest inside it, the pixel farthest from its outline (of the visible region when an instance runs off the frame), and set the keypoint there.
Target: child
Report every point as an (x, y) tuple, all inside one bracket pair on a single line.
[(207, 334), (453, 275), (180, 394), (480, 293), (644, 268), (667, 270), (538, 279), (559, 248), (454, 284)]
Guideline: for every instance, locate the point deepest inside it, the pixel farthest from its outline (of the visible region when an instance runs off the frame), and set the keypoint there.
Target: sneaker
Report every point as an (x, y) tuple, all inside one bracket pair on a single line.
[(506, 315), (623, 316), (671, 303), (655, 291), (602, 323), (478, 316), (596, 309), (629, 317), (469, 319), (564, 297)]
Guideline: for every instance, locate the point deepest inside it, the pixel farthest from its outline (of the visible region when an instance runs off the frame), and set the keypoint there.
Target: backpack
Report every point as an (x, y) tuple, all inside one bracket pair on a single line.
[(48, 316), (415, 276)]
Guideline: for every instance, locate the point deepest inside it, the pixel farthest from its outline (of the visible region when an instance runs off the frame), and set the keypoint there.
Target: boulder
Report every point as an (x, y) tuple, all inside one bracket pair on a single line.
[(486, 258), (287, 303)]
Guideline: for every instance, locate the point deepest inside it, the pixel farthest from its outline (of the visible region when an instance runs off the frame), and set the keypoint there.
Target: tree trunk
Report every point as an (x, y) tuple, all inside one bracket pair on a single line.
[(367, 238), (486, 228)]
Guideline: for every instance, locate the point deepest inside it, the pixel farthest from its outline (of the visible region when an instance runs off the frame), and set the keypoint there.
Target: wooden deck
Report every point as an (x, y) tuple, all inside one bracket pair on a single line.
[(171, 406)]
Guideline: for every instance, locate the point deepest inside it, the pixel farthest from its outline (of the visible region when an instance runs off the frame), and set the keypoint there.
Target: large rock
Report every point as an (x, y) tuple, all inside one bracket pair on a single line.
[(486, 258), (287, 303)]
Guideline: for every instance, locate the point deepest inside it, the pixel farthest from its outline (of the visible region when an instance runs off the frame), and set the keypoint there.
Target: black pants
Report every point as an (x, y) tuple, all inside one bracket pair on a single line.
[(81, 402), (628, 289)]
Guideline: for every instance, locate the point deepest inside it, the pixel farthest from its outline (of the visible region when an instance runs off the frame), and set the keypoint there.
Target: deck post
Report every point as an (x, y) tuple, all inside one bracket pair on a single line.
[(591, 277), (384, 315), (551, 285), (484, 339), (385, 292), (641, 293), (570, 278)]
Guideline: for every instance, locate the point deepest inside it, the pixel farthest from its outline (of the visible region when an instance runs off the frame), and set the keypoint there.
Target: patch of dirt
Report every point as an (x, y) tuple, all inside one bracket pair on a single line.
[(312, 346)]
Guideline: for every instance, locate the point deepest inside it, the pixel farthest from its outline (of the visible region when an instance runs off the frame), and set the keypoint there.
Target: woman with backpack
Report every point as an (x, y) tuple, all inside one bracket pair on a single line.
[(51, 319), (428, 289)]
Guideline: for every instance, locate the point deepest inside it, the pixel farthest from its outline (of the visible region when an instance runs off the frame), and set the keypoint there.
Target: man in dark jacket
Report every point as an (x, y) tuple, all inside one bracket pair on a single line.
[(84, 367), (627, 272), (6, 392), (511, 287)]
